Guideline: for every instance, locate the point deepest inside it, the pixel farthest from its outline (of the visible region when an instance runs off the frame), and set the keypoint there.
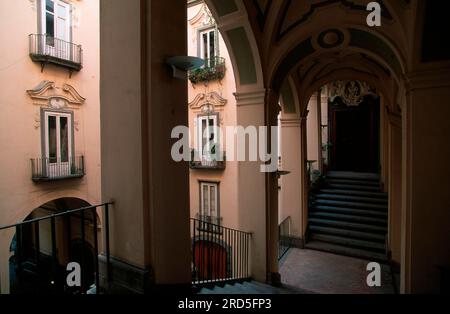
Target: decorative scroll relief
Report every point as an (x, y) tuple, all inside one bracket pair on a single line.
[(203, 17), (48, 94), (352, 93), (208, 103)]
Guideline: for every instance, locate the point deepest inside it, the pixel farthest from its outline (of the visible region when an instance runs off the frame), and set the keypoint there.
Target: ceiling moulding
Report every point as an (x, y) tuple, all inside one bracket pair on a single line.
[(48, 94), (208, 102), (352, 93)]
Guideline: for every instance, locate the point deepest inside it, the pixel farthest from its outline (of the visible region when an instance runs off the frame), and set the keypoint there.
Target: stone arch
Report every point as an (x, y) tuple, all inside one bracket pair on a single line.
[(308, 51), (240, 41)]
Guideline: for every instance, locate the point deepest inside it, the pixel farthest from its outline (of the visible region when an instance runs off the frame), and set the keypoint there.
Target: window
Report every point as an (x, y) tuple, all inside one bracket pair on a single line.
[(55, 20), (55, 24), (208, 46), (58, 143), (209, 200), (208, 137)]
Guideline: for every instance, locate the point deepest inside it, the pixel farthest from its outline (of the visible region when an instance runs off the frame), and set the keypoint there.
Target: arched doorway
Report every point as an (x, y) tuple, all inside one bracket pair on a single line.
[(354, 130), (41, 249), (211, 260)]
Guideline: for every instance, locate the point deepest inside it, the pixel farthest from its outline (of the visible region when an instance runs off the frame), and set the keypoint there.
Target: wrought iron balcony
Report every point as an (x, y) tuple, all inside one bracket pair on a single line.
[(47, 49), (210, 162), (214, 69), (52, 169)]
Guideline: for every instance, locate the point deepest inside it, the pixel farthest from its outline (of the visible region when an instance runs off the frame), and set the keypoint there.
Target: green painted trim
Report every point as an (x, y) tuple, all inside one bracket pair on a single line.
[(225, 7), (243, 55)]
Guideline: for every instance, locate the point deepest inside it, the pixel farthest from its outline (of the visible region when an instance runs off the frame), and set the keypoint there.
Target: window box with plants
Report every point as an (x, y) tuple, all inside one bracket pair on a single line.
[(214, 69)]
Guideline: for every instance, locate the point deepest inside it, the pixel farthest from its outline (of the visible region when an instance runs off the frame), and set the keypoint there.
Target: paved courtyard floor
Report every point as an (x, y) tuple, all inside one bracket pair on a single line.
[(326, 273)]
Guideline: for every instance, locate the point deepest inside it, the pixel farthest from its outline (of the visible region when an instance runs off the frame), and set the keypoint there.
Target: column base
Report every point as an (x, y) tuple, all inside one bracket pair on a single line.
[(274, 279), (125, 278)]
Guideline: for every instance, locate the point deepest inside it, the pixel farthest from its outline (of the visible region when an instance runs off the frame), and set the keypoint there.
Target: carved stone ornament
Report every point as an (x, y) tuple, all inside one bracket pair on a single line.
[(208, 103), (203, 17), (352, 93), (48, 94)]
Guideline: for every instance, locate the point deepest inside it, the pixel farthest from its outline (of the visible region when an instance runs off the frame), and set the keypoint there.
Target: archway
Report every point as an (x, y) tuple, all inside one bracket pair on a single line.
[(41, 250)]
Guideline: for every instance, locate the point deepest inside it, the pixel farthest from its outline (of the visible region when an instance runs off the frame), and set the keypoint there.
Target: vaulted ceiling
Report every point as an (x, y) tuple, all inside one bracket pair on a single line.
[(315, 40)]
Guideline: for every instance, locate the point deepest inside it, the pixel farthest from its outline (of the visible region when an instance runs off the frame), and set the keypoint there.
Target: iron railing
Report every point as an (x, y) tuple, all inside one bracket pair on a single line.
[(36, 273), (219, 254), (49, 169), (214, 69), (284, 237), (213, 162), (48, 49), (209, 223)]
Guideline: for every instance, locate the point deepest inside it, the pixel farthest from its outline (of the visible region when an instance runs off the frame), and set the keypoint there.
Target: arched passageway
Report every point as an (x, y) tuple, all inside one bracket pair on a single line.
[(271, 42), (41, 251)]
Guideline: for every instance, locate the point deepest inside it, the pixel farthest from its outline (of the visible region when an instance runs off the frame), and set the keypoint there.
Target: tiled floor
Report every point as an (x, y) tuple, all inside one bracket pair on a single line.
[(326, 273)]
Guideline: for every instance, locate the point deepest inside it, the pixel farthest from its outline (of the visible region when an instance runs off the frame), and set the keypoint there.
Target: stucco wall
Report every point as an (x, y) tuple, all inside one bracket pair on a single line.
[(225, 88), (20, 125)]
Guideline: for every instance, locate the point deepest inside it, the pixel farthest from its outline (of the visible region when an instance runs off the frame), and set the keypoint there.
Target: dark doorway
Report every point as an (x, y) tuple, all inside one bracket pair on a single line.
[(354, 135)]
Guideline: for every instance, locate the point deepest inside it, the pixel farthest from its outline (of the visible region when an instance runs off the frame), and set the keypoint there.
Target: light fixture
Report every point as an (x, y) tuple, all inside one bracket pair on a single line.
[(281, 173), (182, 64)]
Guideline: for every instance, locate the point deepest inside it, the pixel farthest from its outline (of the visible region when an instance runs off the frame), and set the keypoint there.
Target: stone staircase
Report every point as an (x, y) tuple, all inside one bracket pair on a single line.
[(249, 287), (349, 216)]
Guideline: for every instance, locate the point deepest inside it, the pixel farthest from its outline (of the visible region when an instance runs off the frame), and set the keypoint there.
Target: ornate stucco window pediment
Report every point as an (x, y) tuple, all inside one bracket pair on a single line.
[(352, 93), (208, 103), (202, 18), (49, 95)]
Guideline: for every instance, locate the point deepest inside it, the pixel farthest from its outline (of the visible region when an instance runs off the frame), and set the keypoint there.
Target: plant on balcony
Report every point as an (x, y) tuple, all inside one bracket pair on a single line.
[(213, 70)]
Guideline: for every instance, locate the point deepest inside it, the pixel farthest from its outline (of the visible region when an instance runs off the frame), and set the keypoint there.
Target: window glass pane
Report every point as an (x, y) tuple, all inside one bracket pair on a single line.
[(62, 11), (64, 136), (212, 46), (49, 5), (204, 137), (205, 203), (211, 131), (205, 45), (213, 201), (61, 31), (52, 154), (50, 25)]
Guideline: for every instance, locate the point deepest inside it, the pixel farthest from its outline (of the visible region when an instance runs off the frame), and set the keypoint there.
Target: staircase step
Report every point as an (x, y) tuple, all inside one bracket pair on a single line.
[(351, 205), (256, 289), (234, 289), (252, 287), (351, 211), (352, 198), (269, 289), (348, 233), (353, 175), (348, 225), (354, 182), (342, 250), (353, 187), (215, 290), (380, 195), (361, 244), (349, 218)]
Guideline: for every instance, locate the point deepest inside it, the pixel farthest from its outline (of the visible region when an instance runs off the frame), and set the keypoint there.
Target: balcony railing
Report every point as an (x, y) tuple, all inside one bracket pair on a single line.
[(36, 273), (221, 256), (214, 69), (47, 49), (51, 169), (209, 223), (209, 162)]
